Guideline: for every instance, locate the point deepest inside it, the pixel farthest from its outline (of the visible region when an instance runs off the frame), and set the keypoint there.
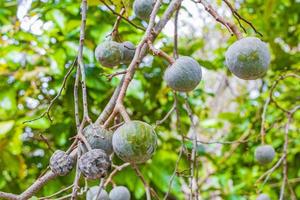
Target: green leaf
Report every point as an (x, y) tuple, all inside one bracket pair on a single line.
[(59, 18), (42, 123), (8, 103), (5, 127)]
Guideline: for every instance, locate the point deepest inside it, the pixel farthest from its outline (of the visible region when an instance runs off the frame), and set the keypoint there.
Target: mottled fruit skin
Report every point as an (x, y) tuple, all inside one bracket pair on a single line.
[(128, 50), (99, 138), (263, 197), (248, 58), (61, 163), (143, 8), (264, 154), (94, 164), (135, 142), (183, 75), (119, 193), (109, 53), (93, 191)]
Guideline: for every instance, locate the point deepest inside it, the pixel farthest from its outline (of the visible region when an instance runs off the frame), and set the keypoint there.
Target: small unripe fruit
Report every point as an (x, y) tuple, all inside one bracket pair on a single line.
[(99, 138), (143, 8), (61, 163), (248, 58), (93, 191), (264, 154), (128, 50), (263, 197), (94, 164), (183, 75), (109, 53), (119, 193), (135, 142)]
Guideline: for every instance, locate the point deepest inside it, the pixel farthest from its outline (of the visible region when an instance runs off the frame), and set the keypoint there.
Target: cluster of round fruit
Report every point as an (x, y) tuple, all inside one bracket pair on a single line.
[(136, 141), (111, 53), (133, 142), (247, 58), (117, 193)]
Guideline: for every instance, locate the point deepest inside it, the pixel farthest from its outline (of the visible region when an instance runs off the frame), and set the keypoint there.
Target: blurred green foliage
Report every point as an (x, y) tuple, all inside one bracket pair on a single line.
[(34, 62)]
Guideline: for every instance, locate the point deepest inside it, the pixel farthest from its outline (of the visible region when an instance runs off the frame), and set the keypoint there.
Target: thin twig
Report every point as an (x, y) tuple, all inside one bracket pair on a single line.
[(159, 122), (231, 27), (268, 173), (47, 112), (57, 193), (123, 113), (140, 175), (110, 76), (115, 33), (194, 150), (126, 19), (285, 153), (160, 53), (110, 105), (84, 95), (174, 172), (238, 16), (218, 142), (100, 188), (113, 173), (175, 50), (271, 99), (182, 147)]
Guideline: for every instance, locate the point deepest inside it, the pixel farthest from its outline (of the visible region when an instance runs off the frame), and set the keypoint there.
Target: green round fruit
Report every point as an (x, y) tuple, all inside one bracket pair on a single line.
[(184, 74), (99, 138), (128, 50), (93, 191), (143, 8), (263, 197), (134, 142), (264, 154), (119, 193), (109, 53), (248, 58)]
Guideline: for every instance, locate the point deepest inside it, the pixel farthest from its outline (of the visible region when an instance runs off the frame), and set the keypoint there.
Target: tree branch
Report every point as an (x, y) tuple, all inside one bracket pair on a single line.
[(232, 28), (160, 53), (126, 19), (40, 182), (239, 17), (47, 112)]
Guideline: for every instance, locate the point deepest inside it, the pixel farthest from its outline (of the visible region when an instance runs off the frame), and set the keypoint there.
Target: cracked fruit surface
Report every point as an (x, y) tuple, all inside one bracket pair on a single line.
[(61, 163), (94, 164)]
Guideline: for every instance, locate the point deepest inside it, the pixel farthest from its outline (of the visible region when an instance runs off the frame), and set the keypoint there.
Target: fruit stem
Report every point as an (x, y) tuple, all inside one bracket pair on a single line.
[(160, 53), (121, 109)]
